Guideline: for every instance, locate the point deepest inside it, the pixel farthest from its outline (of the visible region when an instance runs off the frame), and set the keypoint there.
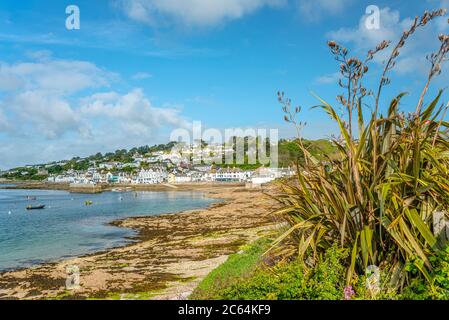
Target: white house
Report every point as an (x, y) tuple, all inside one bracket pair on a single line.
[(183, 179), (99, 178), (266, 175), (110, 165), (228, 175), (61, 179), (150, 177)]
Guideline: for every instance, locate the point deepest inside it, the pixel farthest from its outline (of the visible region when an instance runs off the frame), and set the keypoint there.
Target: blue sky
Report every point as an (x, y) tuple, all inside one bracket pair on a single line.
[(137, 69)]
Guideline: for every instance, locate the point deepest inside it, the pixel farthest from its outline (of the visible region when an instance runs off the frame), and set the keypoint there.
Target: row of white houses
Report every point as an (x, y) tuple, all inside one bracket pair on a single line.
[(150, 176)]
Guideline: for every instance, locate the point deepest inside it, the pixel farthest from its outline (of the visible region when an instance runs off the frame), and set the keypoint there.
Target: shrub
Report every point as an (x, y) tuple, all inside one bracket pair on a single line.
[(438, 288), (326, 281), (377, 198), (294, 281), (282, 283)]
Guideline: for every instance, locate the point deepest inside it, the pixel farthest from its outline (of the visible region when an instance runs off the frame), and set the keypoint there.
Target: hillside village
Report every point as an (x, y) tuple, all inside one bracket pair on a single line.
[(150, 165)]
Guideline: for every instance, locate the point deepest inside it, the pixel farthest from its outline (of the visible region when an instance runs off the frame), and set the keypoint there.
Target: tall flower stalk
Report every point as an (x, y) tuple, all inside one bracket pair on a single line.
[(378, 196)]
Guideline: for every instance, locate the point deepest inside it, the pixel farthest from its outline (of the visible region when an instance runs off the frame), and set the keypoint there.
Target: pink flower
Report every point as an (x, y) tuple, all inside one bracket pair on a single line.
[(349, 292)]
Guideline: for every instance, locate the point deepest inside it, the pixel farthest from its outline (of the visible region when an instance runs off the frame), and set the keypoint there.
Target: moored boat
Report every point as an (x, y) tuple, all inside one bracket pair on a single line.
[(40, 207)]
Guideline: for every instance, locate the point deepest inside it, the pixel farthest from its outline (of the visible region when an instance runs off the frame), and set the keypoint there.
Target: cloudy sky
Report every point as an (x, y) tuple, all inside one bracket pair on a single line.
[(137, 69)]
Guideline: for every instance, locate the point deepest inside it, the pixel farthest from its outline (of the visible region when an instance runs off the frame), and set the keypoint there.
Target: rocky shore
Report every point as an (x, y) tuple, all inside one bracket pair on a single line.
[(37, 185), (170, 256)]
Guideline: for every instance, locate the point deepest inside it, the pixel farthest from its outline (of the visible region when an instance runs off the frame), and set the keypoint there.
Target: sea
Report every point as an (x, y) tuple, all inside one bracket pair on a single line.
[(67, 227)]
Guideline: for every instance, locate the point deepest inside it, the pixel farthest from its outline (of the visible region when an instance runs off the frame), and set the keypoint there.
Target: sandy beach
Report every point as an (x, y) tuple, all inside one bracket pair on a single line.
[(171, 255)]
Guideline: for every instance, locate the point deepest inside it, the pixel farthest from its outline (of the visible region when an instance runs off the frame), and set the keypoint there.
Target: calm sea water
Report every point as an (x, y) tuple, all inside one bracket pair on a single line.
[(67, 227)]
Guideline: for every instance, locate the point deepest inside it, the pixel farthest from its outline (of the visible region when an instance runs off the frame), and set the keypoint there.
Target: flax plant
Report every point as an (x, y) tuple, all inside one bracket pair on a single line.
[(378, 197)]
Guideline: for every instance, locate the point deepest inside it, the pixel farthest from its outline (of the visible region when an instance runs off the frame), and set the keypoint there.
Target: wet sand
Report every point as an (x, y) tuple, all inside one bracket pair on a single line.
[(171, 255)]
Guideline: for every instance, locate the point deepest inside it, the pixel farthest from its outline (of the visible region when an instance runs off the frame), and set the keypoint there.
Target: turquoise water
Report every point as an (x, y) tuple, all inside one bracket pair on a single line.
[(67, 227)]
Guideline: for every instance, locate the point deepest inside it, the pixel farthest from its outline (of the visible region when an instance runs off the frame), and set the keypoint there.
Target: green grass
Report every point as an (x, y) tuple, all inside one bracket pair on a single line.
[(292, 280), (237, 266), (245, 277)]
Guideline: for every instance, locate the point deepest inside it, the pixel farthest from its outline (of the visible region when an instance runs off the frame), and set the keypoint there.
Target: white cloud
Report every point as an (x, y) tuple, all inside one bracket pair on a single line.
[(4, 125), (212, 12), (47, 107), (40, 55), (141, 76), (59, 76), (391, 27), (9, 81), (49, 114), (316, 9), (37, 93), (192, 12), (331, 78), (102, 122), (413, 54), (133, 112)]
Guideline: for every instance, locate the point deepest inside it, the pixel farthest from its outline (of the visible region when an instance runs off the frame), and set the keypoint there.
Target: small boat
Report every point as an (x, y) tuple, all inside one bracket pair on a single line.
[(31, 198), (40, 207), (88, 203)]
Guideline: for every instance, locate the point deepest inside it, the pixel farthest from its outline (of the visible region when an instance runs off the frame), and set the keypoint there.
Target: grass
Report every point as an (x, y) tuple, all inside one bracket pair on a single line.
[(237, 266), (245, 277)]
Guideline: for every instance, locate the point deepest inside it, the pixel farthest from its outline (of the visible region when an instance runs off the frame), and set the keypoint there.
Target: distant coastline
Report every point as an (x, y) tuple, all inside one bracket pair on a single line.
[(198, 186)]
